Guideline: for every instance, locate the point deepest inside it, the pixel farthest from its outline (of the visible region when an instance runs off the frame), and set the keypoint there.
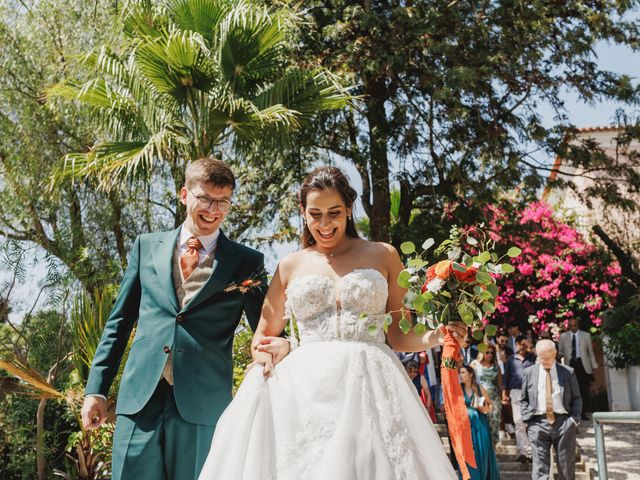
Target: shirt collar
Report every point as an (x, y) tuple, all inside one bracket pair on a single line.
[(544, 370), (208, 241)]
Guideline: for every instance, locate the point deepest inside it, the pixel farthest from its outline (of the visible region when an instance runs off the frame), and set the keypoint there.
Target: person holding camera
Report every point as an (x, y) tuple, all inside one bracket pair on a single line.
[(478, 406)]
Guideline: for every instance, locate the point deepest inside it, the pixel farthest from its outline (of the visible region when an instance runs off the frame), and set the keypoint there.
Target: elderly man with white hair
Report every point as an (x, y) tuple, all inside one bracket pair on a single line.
[(551, 407)]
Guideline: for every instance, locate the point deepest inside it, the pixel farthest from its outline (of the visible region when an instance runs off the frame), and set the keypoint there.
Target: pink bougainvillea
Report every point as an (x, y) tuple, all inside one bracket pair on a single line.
[(559, 275)]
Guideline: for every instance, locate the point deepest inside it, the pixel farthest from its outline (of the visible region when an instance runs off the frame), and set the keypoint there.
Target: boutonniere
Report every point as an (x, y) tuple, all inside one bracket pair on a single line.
[(254, 281)]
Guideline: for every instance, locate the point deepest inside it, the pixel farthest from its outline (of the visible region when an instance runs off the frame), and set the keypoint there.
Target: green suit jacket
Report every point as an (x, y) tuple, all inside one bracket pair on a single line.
[(200, 334)]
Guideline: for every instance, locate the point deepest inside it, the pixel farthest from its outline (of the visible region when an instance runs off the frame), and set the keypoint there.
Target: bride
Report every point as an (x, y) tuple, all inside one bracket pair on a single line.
[(339, 407)]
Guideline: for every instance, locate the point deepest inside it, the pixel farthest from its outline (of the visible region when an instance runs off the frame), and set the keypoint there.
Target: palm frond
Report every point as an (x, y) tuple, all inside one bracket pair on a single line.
[(306, 92), (200, 16), (37, 385), (88, 318)]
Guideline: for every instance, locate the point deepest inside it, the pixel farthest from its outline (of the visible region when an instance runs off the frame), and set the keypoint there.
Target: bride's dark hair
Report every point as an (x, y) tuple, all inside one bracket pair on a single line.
[(327, 178)]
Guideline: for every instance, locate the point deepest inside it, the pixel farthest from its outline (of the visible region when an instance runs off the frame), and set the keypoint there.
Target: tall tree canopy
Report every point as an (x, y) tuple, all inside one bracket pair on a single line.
[(453, 93)]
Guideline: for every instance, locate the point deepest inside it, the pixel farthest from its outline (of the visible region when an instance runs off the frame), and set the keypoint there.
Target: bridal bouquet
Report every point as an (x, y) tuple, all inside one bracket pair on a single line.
[(460, 287)]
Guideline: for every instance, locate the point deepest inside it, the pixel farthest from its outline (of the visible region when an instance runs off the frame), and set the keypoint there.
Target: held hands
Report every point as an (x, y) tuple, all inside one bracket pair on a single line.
[(269, 351), (94, 412)]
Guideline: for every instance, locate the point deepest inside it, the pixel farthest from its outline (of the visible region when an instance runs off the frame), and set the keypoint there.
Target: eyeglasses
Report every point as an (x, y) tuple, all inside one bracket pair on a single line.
[(489, 352), (205, 202)]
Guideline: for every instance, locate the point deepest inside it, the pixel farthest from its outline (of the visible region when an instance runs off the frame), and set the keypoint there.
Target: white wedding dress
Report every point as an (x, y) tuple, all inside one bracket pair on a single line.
[(339, 407)]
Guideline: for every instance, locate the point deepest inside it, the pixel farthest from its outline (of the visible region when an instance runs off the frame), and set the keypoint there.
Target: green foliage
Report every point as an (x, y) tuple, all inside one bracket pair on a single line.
[(241, 353), (177, 88), (453, 94), (622, 326)]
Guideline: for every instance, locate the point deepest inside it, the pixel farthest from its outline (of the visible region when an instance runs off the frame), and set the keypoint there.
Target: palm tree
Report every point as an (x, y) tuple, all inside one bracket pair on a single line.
[(189, 77)]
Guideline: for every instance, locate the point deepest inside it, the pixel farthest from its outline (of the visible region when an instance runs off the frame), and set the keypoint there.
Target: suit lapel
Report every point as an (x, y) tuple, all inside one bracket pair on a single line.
[(162, 261), (226, 261)]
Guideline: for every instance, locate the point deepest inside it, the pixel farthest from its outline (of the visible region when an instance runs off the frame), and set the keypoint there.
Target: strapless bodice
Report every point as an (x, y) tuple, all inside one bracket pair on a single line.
[(350, 308)]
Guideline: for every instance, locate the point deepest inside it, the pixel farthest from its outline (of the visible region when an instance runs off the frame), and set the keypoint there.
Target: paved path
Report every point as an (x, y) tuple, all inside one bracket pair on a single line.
[(622, 445)]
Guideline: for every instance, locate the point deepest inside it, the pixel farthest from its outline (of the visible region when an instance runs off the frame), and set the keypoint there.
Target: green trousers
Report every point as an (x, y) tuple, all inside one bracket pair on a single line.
[(157, 444)]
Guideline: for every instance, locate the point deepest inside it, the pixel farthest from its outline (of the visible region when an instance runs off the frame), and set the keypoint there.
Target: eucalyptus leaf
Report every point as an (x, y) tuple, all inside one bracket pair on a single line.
[(507, 268), (514, 252), (490, 330), (484, 257), (404, 324), (488, 307), (483, 277), (428, 243), (472, 241), (420, 328), (408, 248), (403, 279)]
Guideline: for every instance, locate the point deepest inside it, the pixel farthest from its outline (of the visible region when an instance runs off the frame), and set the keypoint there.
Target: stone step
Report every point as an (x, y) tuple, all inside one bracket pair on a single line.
[(519, 475)]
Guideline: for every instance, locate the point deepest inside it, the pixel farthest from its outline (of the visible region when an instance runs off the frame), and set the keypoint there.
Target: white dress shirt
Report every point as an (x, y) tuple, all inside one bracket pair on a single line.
[(209, 242), (556, 398), (577, 336)]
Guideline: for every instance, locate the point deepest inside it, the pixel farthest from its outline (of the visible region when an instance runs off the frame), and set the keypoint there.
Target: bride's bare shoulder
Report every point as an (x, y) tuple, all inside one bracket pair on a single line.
[(290, 263), (381, 250)]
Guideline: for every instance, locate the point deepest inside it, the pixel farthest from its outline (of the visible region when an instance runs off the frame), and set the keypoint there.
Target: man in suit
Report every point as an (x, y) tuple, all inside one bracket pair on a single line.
[(511, 393), (551, 406), (514, 332), (576, 348), (181, 293), (468, 352)]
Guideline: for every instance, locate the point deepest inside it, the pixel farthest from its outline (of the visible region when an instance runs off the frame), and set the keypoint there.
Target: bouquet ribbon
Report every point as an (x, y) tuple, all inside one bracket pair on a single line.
[(455, 407)]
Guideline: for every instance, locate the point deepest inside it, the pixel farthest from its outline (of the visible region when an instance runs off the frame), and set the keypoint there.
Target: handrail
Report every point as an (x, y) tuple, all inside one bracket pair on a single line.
[(608, 417)]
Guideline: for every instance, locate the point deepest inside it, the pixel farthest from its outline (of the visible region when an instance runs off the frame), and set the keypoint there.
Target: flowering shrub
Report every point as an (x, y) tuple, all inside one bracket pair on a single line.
[(559, 275)]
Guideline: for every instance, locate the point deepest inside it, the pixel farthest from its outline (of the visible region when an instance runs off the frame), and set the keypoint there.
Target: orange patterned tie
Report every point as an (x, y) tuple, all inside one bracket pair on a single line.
[(190, 259)]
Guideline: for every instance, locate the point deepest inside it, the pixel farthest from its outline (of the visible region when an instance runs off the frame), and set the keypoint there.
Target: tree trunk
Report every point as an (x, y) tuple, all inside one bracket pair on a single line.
[(40, 459), (380, 217)]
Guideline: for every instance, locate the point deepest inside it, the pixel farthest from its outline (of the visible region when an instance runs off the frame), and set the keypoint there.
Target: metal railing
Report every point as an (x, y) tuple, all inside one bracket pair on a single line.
[(608, 417)]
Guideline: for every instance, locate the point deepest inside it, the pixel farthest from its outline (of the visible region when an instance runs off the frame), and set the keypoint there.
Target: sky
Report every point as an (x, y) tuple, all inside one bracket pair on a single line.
[(615, 58)]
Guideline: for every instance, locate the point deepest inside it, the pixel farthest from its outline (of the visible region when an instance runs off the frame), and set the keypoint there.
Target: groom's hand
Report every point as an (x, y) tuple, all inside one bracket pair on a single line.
[(278, 347), (94, 412)]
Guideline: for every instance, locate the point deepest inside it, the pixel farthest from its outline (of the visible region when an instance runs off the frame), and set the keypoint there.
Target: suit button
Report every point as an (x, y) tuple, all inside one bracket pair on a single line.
[(166, 349), (179, 318)]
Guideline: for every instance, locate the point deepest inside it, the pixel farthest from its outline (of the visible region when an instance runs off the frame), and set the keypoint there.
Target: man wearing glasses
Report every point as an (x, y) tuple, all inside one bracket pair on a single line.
[(178, 292)]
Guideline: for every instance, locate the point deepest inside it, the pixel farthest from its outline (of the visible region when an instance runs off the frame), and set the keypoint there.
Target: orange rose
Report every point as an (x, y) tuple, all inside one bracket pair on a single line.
[(444, 269)]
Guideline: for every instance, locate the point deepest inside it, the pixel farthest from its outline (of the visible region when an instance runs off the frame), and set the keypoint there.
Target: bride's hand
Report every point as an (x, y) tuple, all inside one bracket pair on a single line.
[(264, 359), (459, 330), (278, 347)]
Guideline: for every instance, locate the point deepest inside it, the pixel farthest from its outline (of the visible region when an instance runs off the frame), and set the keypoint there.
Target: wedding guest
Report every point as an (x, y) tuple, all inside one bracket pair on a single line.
[(489, 377), (468, 352), (514, 331), (511, 393), (503, 351), (413, 370), (576, 348), (551, 405), (478, 405)]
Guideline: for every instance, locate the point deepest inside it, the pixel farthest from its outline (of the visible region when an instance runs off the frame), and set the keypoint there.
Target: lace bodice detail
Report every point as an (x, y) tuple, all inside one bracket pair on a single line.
[(351, 308)]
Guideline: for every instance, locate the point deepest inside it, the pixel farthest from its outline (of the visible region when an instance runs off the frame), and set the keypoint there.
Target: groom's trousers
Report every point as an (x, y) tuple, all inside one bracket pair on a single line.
[(157, 444)]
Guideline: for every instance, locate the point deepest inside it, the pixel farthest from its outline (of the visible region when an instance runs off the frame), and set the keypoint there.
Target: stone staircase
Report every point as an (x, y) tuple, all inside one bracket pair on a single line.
[(507, 453)]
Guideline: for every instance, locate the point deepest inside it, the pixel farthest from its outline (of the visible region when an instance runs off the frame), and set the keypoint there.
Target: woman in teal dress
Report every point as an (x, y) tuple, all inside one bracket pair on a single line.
[(478, 405), (490, 378)]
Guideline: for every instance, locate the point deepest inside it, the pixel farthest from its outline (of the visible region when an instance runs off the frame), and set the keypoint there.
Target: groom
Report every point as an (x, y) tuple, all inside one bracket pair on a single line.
[(180, 292)]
